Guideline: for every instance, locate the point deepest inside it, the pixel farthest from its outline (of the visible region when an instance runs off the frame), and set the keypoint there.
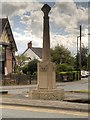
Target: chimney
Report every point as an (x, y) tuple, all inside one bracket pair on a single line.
[(30, 44)]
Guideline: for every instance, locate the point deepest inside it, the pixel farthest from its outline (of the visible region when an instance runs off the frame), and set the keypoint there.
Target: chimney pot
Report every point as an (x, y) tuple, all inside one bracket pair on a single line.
[(30, 44)]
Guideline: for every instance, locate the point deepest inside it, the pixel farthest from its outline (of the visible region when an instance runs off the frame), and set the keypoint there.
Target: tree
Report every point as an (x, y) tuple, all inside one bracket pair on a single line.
[(21, 59), (20, 62), (89, 62), (25, 69), (84, 58), (60, 54), (31, 67), (63, 68)]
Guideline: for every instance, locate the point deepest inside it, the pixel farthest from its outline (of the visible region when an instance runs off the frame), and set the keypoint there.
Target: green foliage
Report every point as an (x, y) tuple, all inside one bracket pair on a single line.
[(31, 67), (63, 68), (62, 55), (66, 72), (25, 69), (89, 62), (21, 61), (68, 76), (84, 58)]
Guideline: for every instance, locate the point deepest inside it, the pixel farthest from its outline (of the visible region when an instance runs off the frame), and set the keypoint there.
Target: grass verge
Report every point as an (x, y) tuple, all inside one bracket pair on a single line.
[(81, 91)]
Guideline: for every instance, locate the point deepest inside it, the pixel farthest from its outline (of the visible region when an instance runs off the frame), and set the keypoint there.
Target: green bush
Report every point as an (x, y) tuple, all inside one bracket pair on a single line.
[(25, 69), (63, 68), (69, 75), (89, 62), (31, 67)]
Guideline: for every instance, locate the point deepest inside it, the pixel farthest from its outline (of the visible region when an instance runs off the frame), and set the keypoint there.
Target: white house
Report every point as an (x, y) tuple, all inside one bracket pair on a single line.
[(32, 52)]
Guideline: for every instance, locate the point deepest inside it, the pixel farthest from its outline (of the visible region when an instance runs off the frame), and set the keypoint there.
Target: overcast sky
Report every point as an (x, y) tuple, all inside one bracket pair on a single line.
[(26, 20)]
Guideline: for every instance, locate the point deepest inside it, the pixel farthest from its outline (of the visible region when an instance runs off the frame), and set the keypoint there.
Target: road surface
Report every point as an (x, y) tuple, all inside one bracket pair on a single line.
[(30, 112), (67, 86)]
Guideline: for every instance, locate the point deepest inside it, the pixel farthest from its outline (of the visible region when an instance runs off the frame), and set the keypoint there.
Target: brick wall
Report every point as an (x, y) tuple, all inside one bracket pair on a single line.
[(8, 60)]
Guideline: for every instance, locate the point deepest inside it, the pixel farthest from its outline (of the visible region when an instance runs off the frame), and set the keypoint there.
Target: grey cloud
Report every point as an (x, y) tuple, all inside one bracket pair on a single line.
[(67, 15), (9, 8)]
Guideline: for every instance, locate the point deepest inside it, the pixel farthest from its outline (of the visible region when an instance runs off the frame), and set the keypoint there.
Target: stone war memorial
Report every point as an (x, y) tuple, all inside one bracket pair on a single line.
[(46, 88)]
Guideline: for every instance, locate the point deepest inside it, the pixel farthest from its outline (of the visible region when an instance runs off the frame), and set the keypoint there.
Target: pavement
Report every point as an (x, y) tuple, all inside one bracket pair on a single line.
[(24, 100)]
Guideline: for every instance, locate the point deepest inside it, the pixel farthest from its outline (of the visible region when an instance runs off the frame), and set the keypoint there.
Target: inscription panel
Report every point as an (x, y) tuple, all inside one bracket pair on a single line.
[(43, 68)]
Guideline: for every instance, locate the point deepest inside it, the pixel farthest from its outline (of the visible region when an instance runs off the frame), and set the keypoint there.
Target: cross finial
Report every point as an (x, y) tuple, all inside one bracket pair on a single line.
[(46, 8)]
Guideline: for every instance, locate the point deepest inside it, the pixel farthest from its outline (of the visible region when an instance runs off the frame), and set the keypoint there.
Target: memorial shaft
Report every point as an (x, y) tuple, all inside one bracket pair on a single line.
[(46, 34)]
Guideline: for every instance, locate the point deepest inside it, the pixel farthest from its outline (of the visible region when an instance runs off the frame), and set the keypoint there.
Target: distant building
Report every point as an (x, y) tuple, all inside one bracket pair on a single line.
[(33, 52), (7, 48)]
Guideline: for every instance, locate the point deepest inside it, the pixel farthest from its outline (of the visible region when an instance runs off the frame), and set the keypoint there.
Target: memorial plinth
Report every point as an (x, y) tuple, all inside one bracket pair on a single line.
[(46, 69)]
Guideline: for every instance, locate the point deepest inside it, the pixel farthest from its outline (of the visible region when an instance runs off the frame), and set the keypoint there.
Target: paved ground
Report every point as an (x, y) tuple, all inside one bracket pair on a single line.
[(68, 96), (11, 100)]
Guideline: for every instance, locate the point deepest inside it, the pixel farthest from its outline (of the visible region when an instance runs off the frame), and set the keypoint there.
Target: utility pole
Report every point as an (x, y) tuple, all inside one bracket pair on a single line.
[(77, 56), (79, 65), (77, 52), (80, 51)]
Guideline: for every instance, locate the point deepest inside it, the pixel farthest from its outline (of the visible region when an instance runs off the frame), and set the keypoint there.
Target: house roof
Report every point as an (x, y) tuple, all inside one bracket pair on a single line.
[(3, 22), (37, 51), (4, 25)]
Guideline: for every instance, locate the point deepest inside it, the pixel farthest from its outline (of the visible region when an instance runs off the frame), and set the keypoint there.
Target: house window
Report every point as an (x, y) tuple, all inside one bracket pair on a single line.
[(2, 53), (2, 58)]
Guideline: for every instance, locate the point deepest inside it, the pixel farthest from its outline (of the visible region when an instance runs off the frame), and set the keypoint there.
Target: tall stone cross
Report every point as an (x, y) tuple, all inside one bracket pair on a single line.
[(46, 34), (46, 69)]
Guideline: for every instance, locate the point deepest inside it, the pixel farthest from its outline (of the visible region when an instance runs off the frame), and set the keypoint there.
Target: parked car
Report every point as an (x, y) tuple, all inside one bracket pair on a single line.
[(84, 73)]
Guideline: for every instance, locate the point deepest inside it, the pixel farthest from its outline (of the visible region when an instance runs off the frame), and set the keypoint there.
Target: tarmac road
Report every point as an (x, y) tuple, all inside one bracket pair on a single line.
[(30, 112), (67, 86), (77, 85)]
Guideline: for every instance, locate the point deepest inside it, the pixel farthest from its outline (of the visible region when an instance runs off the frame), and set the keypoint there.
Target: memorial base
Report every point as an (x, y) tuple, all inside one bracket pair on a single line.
[(45, 94)]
